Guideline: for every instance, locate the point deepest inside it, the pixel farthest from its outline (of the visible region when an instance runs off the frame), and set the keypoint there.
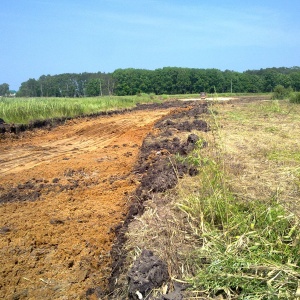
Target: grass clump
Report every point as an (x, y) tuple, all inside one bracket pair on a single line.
[(284, 155), (295, 98), (250, 250)]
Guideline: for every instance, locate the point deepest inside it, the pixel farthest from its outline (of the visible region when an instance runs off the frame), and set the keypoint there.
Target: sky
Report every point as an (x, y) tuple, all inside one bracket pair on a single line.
[(41, 37)]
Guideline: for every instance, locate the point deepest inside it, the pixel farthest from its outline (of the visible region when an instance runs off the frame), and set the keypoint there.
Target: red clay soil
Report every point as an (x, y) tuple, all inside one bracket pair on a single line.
[(62, 193)]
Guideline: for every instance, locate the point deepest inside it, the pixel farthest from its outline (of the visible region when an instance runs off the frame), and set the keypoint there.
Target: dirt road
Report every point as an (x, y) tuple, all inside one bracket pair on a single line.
[(62, 192)]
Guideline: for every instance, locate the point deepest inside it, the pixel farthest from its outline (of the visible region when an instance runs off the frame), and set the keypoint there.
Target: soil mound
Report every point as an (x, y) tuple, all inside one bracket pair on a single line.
[(159, 170)]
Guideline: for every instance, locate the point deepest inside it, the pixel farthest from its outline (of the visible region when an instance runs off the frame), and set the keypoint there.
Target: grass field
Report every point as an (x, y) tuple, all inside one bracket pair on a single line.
[(24, 110)]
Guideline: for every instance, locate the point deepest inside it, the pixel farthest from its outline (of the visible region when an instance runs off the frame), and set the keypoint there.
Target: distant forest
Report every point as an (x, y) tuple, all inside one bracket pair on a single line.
[(168, 80)]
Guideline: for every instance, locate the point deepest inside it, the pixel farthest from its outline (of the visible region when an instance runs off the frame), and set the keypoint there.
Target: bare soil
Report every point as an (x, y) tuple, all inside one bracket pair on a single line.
[(63, 193)]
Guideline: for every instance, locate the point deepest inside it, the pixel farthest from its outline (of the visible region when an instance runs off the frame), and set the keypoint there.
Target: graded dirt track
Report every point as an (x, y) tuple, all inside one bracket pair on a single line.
[(62, 193)]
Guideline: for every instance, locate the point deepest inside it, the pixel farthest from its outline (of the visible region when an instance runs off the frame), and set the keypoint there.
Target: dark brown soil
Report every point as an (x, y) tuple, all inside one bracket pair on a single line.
[(159, 171), (148, 272)]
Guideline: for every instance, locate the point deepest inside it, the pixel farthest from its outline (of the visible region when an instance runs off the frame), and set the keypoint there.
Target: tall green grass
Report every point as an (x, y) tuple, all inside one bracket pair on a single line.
[(24, 110), (249, 250)]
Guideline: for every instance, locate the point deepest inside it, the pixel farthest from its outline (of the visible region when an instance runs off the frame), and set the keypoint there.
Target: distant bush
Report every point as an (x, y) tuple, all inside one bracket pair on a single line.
[(295, 98), (280, 92), (152, 95), (164, 96)]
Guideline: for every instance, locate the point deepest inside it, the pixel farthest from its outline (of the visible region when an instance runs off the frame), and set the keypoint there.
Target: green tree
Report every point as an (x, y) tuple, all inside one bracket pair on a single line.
[(29, 88), (183, 83), (199, 77), (215, 81), (93, 87), (271, 79), (280, 92), (4, 89), (168, 80), (295, 81), (284, 80), (232, 81), (164, 80)]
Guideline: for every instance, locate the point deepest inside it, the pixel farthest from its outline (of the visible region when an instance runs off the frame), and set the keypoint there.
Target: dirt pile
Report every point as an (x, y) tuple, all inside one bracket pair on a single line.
[(157, 163), (159, 169)]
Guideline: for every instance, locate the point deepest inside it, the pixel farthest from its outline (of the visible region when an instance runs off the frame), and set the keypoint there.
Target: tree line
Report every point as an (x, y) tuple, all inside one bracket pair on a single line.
[(68, 85), (171, 80), (168, 80)]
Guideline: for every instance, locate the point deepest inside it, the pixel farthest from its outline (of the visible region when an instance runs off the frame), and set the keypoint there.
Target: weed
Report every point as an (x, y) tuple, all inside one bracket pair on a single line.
[(295, 98), (280, 92), (235, 116), (272, 129), (250, 250), (273, 106)]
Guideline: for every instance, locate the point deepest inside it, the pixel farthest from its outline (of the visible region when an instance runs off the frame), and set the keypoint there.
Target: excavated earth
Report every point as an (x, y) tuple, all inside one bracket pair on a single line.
[(66, 188), (162, 162)]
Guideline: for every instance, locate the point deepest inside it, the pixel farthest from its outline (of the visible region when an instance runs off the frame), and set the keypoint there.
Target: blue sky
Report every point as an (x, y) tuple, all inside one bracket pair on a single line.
[(40, 37)]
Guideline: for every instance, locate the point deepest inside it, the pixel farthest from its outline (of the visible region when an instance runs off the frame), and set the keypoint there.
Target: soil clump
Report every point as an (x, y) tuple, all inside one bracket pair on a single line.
[(148, 272)]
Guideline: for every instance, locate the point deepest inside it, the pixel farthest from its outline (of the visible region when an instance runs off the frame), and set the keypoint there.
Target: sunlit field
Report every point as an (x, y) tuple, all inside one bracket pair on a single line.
[(24, 110)]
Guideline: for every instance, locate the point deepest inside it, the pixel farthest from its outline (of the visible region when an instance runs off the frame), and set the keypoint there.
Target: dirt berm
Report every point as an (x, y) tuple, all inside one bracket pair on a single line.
[(159, 170)]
